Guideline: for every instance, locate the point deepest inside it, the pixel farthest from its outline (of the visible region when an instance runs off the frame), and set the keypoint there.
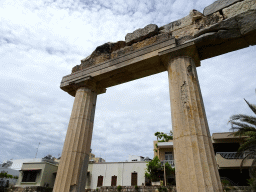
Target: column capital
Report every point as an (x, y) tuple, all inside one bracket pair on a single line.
[(88, 83), (184, 50)]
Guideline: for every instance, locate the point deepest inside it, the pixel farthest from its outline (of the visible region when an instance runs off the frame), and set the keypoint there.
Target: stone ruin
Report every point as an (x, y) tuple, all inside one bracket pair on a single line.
[(221, 22), (178, 47)]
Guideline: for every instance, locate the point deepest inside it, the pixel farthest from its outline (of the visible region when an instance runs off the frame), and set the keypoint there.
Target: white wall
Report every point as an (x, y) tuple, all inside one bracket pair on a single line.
[(122, 170), (133, 157)]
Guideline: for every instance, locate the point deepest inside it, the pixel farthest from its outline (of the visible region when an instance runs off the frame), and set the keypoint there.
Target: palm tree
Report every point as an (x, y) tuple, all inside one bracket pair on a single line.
[(245, 125)]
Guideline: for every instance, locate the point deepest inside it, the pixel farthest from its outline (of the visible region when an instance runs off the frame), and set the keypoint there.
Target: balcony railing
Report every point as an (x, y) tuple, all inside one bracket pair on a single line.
[(235, 155), (171, 162)]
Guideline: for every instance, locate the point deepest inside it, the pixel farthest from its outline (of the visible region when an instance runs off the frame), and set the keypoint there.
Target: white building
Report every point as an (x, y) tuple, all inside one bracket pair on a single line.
[(116, 173), (135, 158)]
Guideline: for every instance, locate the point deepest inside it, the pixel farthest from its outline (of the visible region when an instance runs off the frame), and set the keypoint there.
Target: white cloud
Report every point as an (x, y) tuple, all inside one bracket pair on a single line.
[(40, 42)]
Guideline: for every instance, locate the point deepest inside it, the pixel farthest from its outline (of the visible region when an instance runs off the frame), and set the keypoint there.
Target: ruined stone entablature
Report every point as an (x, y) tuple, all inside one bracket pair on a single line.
[(221, 21), (178, 47)]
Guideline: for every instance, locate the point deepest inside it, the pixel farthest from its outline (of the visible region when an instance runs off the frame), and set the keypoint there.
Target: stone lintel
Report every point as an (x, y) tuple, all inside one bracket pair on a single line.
[(137, 64)]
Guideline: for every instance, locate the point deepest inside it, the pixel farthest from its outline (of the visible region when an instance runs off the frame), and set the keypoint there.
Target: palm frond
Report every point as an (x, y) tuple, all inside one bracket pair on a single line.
[(251, 133), (248, 143), (243, 118), (252, 106), (242, 129)]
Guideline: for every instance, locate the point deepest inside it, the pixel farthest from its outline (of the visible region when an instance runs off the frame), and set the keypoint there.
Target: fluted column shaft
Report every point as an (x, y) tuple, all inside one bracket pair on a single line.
[(195, 164), (73, 166)]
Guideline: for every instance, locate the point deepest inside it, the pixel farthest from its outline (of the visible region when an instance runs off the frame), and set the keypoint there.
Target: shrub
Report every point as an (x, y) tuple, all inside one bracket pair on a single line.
[(162, 189), (119, 188)]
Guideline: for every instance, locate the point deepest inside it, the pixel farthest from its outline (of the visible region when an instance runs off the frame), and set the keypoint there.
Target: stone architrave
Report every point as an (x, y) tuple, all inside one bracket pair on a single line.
[(195, 164), (73, 166)]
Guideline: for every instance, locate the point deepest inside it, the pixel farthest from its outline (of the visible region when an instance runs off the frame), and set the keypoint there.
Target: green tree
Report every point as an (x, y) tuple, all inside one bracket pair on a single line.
[(158, 135), (245, 125), (153, 168), (163, 136)]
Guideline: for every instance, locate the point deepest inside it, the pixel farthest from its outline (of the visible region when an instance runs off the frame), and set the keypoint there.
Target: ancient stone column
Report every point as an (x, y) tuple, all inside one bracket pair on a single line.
[(73, 166), (195, 163)]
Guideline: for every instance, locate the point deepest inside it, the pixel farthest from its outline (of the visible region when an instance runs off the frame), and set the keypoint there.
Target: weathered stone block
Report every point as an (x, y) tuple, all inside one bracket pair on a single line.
[(239, 7), (140, 44), (247, 22), (224, 25), (141, 34), (213, 19), (181, 23), (218, 5), (186, 31)]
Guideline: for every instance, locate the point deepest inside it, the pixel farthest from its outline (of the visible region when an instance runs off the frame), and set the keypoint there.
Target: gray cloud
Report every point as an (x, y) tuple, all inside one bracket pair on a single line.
[(42, 40)]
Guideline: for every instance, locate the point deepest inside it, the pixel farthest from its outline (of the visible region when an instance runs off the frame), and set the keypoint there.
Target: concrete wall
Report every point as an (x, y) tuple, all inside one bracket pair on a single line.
[(161, 151), (122, 170), (232, 163), (48, 175), (44, 176), (30, 166)]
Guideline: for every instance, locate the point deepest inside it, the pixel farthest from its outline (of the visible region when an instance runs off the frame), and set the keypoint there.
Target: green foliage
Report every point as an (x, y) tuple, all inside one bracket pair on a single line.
[(252, 183), (136, 188), (162, 189), (152, 169), (163, 137), (119, 188), (97, 189), (226, 185), (4, 174), (225, 182), (168, 169), (245, 125)]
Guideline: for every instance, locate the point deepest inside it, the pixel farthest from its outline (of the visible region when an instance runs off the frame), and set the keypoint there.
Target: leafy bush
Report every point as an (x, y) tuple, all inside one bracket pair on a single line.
[(4, 174), (152, 169), (119, 188), (252, 183), (162, 189)]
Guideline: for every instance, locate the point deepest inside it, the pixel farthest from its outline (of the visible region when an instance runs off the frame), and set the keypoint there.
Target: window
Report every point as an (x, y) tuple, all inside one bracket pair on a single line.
[(30, 176), (134, 179), (113, 180), (168, 156), (100, 181)]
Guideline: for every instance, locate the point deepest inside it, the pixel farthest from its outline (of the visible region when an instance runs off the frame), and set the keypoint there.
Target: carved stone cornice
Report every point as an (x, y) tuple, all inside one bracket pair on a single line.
[(87, 82)]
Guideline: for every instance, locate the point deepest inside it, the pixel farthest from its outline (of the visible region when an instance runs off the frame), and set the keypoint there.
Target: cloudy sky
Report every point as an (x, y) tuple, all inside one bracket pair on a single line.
[(40, 42)]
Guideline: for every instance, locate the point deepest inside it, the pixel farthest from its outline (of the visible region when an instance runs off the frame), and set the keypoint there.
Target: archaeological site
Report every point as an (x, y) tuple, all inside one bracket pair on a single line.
[(177, 47)]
